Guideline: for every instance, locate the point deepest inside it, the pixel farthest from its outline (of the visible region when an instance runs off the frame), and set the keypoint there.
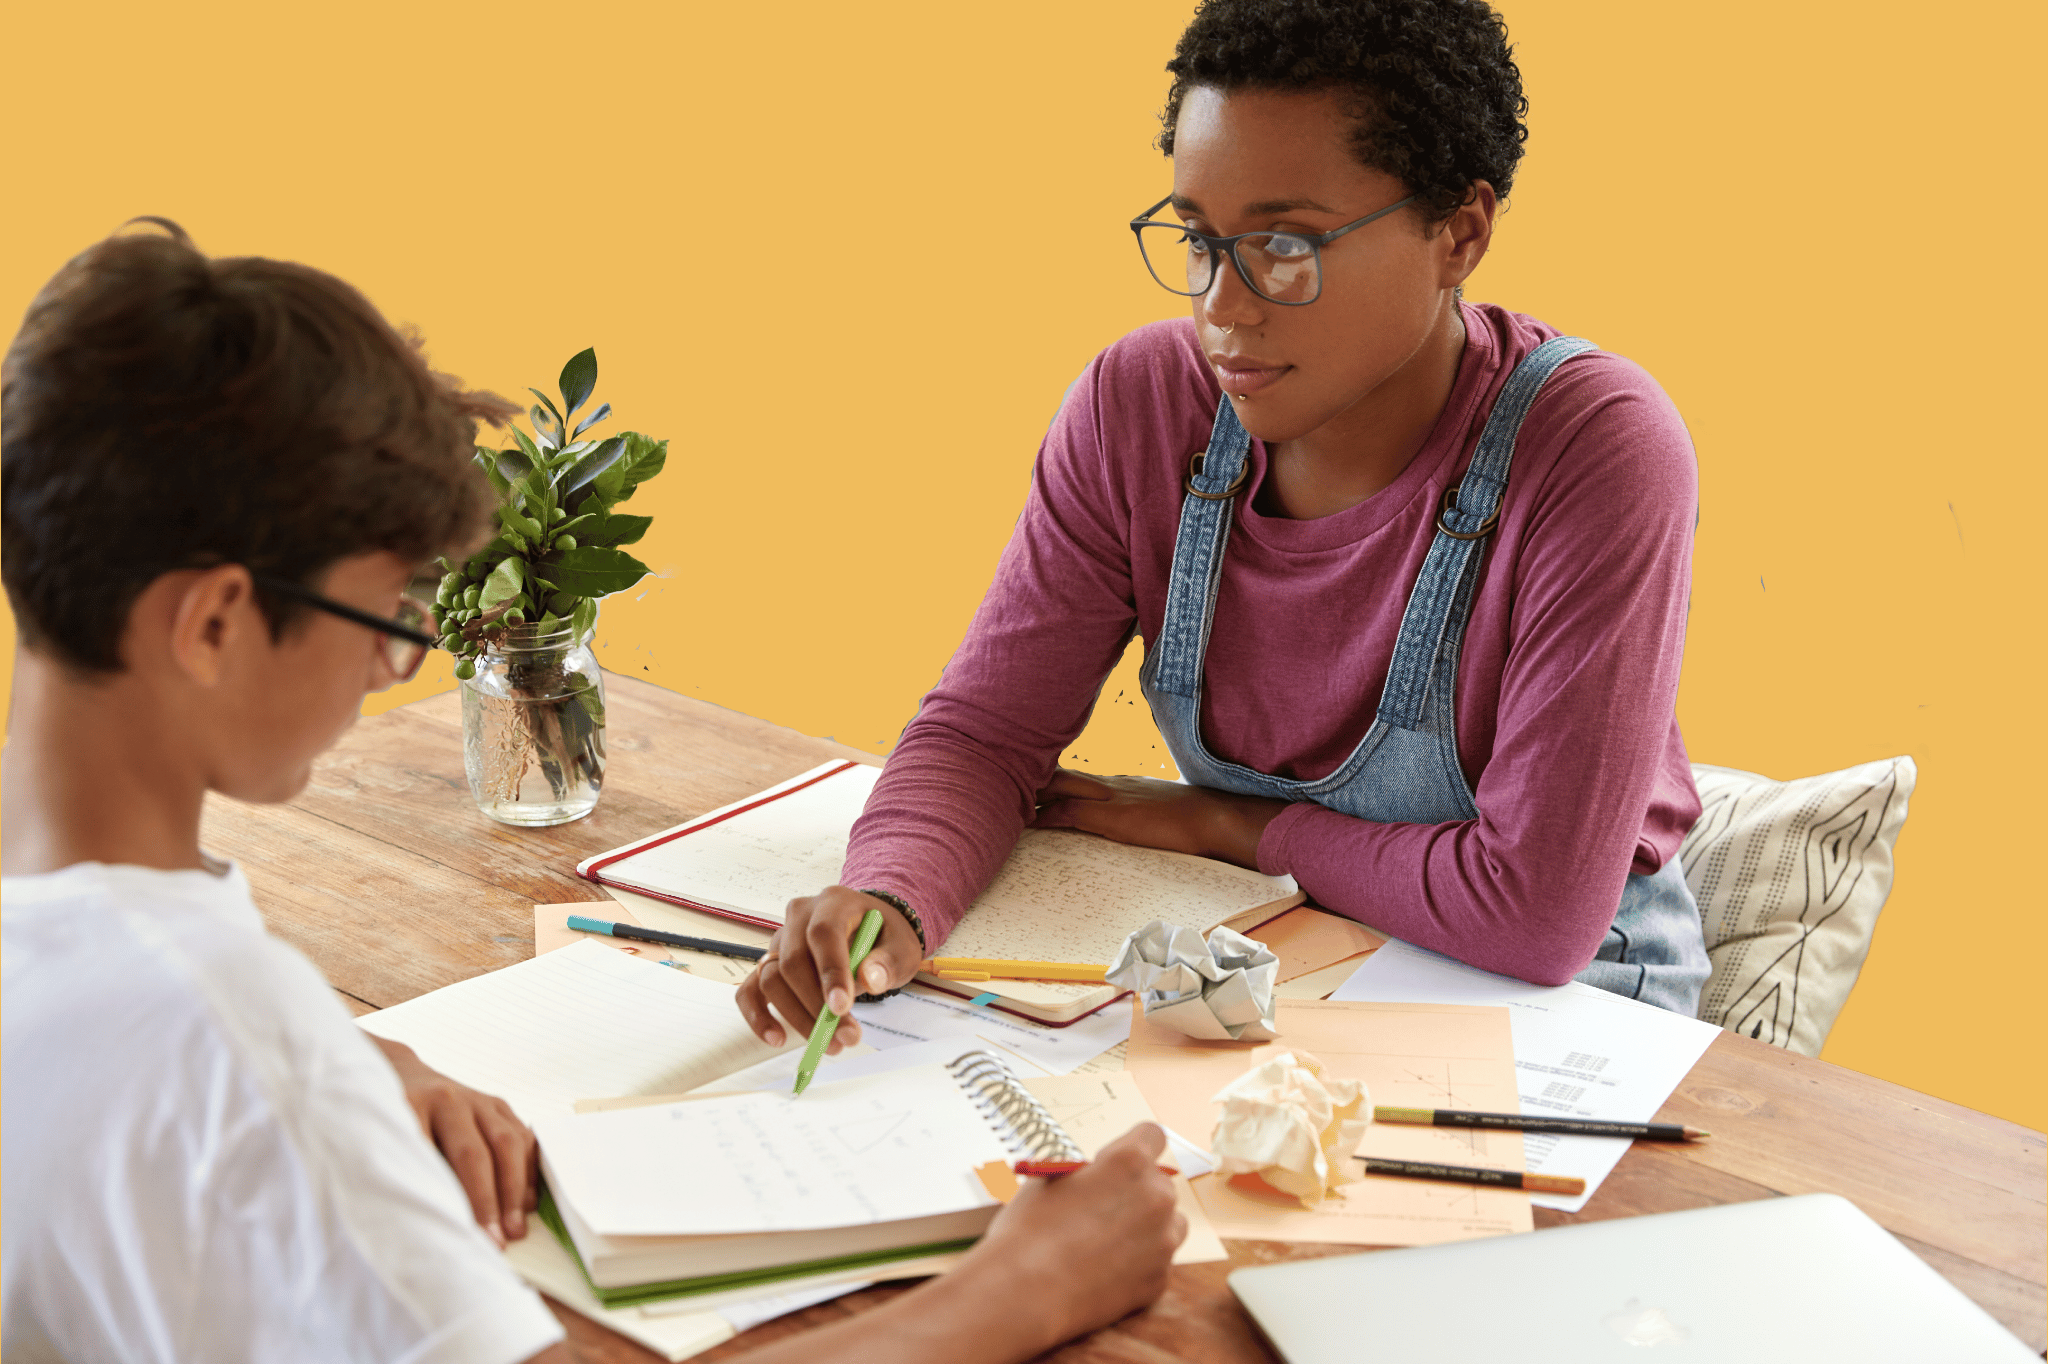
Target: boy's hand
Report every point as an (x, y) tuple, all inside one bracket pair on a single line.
[(1086, 1249), (806, 965), (481, 1138)]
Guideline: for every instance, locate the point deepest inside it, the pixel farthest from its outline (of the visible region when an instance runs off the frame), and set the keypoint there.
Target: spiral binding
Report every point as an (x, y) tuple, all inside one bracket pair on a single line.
[(1017, 1117)]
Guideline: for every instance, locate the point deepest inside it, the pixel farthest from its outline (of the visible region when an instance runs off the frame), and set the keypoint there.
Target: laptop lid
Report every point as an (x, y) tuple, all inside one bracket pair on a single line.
[(1787, 1279)]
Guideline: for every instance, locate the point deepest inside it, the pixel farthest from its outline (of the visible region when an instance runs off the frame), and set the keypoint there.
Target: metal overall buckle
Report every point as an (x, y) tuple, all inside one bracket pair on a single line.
[(1451, 505), (1195, 470)]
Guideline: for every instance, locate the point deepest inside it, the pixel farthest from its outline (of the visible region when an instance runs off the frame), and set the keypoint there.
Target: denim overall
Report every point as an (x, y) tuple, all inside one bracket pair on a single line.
[(1405, 770)]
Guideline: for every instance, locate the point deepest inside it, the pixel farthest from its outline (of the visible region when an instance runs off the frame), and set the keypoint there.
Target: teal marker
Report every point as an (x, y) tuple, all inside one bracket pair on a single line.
[(828, 1022)]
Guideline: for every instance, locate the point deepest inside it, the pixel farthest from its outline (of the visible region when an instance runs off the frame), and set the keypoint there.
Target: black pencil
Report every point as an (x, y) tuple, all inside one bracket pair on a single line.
[(639, 934), (1519, 1122), (1467, 1174)]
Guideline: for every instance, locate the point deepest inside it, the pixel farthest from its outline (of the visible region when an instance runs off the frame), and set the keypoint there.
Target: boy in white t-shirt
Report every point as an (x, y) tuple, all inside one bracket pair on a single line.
[(220, 477)]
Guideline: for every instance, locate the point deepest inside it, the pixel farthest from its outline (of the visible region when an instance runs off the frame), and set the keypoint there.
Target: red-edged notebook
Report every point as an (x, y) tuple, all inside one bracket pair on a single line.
[(1061, 896)]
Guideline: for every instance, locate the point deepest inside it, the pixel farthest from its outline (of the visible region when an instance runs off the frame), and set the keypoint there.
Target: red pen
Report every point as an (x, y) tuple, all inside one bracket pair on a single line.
[(1053, 1169)]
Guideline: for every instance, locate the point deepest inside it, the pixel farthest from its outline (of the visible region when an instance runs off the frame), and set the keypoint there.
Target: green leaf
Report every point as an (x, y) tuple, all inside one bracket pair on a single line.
[(487, 460), (550, 404), (587, 467), (582, 617), (645, 457), (594, 571), (512, 466), (536, 488), (614, 530), (545, 428), (533, 455), (579, 376), (505, 583), (593, 419)]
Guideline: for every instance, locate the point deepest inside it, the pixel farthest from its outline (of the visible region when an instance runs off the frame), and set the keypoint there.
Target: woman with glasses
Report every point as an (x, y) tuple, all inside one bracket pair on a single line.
[(1411, 573)]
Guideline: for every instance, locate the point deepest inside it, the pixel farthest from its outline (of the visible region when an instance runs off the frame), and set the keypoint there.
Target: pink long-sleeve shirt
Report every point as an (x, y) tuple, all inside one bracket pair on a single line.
[(1566, 686)]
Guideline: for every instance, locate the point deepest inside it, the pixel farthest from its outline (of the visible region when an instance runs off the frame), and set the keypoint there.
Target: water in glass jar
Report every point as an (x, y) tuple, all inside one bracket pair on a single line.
[(531, 762)]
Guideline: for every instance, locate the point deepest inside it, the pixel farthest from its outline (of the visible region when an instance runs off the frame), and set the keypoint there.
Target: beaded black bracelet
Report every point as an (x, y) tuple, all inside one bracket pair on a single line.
[(916, 926)]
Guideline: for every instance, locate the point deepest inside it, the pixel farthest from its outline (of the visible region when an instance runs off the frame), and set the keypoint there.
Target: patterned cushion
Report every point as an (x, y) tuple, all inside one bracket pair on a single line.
[(1789, 877)]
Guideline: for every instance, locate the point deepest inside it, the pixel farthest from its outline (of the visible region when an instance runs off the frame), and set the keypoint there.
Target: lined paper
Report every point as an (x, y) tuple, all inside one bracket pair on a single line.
[(583, 1022), (878, 1148), (1063, 895)]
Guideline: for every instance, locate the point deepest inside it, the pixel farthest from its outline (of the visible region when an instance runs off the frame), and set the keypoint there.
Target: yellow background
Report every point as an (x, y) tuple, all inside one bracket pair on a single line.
[(848, 256)]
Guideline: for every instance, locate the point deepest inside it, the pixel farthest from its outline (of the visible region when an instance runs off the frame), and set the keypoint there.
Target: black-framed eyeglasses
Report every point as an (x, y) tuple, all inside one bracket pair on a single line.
[(1280, 267), (406, 639)]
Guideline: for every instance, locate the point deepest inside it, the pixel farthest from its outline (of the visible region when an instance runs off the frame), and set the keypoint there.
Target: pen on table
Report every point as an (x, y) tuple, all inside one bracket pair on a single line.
[(1518, 1122), (1467, 1174), (986, 968), (828, 1022), (639, 934)]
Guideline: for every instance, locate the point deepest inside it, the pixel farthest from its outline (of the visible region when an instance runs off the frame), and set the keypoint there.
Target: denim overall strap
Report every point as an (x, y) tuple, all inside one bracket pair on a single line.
[(1435, 619), (1198, 555)]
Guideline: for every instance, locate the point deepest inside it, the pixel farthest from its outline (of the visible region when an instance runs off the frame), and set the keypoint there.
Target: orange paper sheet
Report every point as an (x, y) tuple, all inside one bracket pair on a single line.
[(1308, 940), (1420, 1055)]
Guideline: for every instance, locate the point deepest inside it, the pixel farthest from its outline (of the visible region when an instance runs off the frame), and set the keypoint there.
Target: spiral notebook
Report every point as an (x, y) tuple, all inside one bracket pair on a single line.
[(706, 1194)]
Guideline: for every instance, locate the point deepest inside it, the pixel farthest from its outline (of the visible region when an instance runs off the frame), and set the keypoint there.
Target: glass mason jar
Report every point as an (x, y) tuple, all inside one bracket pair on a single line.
[(533, 728)]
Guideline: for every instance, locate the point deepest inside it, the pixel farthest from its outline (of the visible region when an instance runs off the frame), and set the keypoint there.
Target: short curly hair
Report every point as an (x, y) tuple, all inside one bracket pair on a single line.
[(1432, 83)]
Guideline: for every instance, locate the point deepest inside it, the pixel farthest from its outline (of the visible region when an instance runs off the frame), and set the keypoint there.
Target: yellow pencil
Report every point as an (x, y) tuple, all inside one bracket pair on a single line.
[(979, 968)]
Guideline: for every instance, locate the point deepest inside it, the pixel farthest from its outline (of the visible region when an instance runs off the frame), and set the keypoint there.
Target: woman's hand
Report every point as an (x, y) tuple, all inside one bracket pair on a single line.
[(481, 1138), (806, 966), (1150, 813)]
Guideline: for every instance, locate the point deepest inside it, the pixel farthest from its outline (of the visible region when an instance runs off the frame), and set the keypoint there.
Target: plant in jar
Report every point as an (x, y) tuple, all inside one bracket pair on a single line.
[(518, 613)]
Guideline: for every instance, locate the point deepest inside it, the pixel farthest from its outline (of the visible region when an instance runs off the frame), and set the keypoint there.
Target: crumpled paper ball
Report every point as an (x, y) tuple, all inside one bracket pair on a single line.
[(1293, 1125), (1221, 990)]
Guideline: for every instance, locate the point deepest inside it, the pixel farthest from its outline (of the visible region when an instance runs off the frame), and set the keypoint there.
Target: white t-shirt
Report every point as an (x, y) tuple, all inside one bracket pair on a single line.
[(205, 1159)]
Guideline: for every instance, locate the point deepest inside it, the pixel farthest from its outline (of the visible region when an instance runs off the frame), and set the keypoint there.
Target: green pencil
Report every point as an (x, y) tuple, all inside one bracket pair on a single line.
[(828, 1022)]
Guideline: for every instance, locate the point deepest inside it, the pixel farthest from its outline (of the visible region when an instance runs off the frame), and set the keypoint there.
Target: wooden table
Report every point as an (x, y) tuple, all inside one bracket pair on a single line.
[(387, 877)]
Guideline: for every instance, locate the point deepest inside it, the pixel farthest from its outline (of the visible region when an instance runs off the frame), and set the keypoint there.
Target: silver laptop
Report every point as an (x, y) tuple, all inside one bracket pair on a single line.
[(1798, 1280)]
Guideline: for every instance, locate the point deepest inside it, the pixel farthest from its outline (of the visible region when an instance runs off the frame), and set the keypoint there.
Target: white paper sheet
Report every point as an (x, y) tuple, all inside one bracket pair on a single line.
[(583, 1022), (1579, 1052), (880, 1148), (918, 1016), (777, 1074)]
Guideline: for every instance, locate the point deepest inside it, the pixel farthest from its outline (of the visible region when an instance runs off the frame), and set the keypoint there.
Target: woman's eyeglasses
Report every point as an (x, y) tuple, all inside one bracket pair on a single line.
[(406, 638), (1280, 267)]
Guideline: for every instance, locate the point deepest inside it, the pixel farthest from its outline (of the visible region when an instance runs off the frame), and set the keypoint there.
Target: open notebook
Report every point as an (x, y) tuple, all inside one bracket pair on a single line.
[(702, 1194), (1062, 896)]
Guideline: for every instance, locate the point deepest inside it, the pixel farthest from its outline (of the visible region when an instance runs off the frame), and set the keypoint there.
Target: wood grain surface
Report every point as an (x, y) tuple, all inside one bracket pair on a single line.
[(384, 873)]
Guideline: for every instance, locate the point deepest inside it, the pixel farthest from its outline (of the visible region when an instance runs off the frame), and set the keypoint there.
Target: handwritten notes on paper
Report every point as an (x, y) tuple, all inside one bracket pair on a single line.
[(1424, 1055), (880, 1148), (579, 1023), (1062, 896)]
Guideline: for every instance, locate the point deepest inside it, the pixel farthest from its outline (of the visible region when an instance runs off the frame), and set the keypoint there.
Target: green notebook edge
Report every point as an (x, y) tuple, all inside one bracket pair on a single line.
[(633, 1295)]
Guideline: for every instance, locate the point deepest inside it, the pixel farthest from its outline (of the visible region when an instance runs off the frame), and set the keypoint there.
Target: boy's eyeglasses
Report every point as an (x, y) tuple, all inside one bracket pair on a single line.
[(1280, 267), (406, 639)]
